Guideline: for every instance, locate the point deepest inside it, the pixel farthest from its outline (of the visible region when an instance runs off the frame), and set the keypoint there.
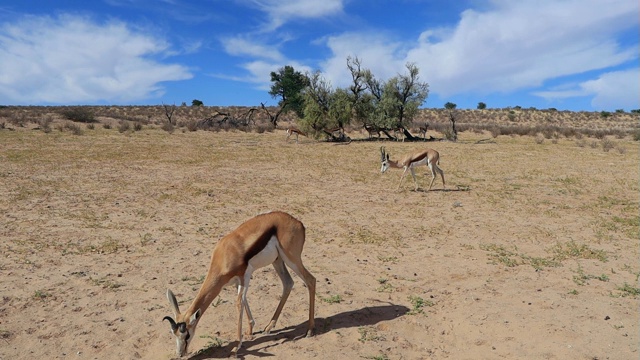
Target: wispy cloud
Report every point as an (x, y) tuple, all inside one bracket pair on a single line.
[(281, 11), (509, 47), (73, 59), (617, 88), (243, 45), (521, 44)]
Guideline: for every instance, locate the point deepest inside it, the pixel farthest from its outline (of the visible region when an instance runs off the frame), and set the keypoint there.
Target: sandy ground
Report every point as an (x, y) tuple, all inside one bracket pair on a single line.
[(531, 252)]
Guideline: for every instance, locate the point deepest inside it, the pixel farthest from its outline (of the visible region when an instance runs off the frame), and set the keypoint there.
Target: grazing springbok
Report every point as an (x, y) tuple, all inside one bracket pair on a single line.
[(274, 238), (294, 131), (428, 157)]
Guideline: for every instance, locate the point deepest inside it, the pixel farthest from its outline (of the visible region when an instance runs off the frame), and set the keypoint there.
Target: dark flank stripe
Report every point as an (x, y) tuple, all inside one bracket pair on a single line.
[(259, 244)]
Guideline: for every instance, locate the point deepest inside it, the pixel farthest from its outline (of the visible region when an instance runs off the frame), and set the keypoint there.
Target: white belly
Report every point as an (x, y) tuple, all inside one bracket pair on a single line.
[(265, 257)]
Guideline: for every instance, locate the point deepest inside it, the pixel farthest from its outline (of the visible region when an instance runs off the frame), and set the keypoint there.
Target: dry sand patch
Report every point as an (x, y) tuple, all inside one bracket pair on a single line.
[(531, 252)]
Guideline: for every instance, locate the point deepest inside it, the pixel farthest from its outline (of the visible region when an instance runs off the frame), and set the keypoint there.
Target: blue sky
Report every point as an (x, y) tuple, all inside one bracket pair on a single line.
[(567, 54)]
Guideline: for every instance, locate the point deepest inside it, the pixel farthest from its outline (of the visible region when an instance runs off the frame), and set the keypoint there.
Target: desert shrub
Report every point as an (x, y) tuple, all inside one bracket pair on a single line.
[(137, 126), (607, 144), (79, 114), (192, 125), (18, 119), (599, 134), (569, 132), (91, 126), (539, 139), (619, 134), (581, 143), (168, 127), (495, 131), (593, 144), (124, 126), (106, 126), (636, 135), (74, 128), (621, 149), (45, 124)]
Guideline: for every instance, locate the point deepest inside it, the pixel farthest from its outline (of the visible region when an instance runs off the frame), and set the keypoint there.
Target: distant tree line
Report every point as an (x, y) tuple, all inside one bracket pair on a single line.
[(367, 101)]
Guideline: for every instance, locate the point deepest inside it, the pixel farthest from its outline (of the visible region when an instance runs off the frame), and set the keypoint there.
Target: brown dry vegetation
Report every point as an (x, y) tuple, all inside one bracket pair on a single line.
[(531, 252)]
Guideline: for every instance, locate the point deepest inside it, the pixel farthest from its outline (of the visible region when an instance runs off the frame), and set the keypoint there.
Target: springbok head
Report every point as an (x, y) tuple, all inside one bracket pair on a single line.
[(183, 329), (384, 160)]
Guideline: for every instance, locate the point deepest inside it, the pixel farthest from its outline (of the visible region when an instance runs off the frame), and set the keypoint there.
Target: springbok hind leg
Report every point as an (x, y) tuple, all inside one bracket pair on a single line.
[(287, 285), (433, 175)]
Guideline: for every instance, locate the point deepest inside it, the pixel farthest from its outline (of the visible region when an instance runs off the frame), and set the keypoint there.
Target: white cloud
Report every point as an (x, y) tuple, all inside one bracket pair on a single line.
[(72, 59), (521, 44), (610, 91), (282, 11), (377, 52), (511, 46), (242, 45)]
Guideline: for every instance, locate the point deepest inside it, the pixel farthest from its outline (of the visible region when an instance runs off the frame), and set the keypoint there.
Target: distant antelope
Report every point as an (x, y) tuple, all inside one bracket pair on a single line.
[(372, 129), (423, 131), (398, 132), (428, 157), (292, 131)]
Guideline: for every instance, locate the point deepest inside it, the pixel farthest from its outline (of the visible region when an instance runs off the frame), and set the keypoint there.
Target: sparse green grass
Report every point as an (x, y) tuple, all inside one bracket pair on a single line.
[(377, 357), (41, 295), (366, 236), (105, 283), (385, 285), (192, 280), (628, 290), (368, 333), (499, 254), (573, 250), (418, 304), (333, 299), (213, 343)]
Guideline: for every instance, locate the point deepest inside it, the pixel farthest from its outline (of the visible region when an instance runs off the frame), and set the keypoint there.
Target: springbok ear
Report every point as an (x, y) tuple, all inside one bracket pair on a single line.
[(173, 302), (194, 317)]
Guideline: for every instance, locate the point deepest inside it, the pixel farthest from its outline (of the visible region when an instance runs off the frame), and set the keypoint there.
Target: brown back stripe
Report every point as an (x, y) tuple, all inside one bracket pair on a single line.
[(259, 244)]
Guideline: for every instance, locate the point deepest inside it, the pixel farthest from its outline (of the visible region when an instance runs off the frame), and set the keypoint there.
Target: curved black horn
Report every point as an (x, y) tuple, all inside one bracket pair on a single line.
[(174, 326)]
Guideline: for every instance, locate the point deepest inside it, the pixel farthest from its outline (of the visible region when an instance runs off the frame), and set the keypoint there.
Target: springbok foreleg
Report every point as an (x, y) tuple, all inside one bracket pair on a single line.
[(251, 321), (415, 180), (287, 285), (240, 306), (402, 177)]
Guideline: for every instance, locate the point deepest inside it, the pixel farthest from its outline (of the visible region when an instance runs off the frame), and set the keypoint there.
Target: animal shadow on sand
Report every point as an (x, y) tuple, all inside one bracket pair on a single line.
[(259, 346)]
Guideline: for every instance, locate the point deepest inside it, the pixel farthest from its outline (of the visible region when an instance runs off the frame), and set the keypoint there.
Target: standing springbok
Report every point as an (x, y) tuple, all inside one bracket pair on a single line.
[(428, 157), (294, 131), (274, 238)]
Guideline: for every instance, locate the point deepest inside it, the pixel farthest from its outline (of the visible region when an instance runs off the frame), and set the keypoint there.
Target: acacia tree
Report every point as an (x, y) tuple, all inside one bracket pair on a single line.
[(403, 95), (317, 96), (392, 103), (361, 100), (288, 85), (452, 117)]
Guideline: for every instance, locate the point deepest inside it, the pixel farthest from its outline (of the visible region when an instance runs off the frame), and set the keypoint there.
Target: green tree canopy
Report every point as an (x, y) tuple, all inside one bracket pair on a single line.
[(288, 85)]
